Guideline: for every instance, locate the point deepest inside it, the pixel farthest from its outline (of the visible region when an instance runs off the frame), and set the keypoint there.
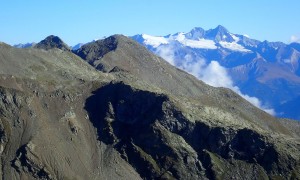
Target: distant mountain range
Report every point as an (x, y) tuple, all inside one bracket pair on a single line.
[(265, 73)]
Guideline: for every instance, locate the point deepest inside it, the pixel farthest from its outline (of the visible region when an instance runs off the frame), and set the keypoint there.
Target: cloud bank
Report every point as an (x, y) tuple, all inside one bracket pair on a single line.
[(295, 38), (211, 73)]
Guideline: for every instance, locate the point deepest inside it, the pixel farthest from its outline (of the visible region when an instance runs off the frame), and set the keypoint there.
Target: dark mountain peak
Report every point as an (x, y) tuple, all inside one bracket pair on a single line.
[(220, 33), (119, 39), (51, 42), (53, 38), (97, 49), (94, 51), (110, 42)]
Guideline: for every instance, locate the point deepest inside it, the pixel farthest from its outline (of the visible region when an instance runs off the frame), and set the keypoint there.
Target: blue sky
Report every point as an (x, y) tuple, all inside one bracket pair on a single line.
[(82, 21)]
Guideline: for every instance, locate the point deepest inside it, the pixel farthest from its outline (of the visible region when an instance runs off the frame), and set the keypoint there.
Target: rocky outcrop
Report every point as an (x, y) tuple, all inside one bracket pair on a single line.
[(26, 161), (94, 51), (47, 135), (151, 134)]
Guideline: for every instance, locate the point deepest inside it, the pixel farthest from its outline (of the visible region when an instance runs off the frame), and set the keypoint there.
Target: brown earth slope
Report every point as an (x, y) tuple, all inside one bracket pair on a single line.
[(136, 117), (45, 131)]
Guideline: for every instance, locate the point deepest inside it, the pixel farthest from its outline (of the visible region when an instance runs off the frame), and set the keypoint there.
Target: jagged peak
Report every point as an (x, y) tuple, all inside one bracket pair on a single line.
[(220, 33), (196, 33), (51, 42), (111, 41), (221, 28), (197, 29), (97, 49), (53, 38)]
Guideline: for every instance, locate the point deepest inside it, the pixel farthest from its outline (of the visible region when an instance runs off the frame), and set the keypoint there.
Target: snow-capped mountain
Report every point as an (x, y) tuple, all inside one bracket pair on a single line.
[(265, 73), (77, 46), (26, 45), (198, 38)]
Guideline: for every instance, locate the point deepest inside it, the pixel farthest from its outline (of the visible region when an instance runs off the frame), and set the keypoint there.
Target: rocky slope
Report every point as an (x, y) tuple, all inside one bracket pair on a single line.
[(183, 116), (45, 131), (133, 116)]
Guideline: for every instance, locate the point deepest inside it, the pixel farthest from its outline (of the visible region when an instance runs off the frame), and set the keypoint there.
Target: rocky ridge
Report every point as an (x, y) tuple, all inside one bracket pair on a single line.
[(113, 110)]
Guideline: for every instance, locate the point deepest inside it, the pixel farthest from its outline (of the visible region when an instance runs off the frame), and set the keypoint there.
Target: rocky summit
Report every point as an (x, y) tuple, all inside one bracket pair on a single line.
[(113, 110), (52, 42)]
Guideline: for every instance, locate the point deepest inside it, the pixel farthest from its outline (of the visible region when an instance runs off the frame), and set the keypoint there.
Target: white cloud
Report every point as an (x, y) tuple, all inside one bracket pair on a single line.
[(167, 53), (211, 73), (295, 38), (256, 102), (216, 75)]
